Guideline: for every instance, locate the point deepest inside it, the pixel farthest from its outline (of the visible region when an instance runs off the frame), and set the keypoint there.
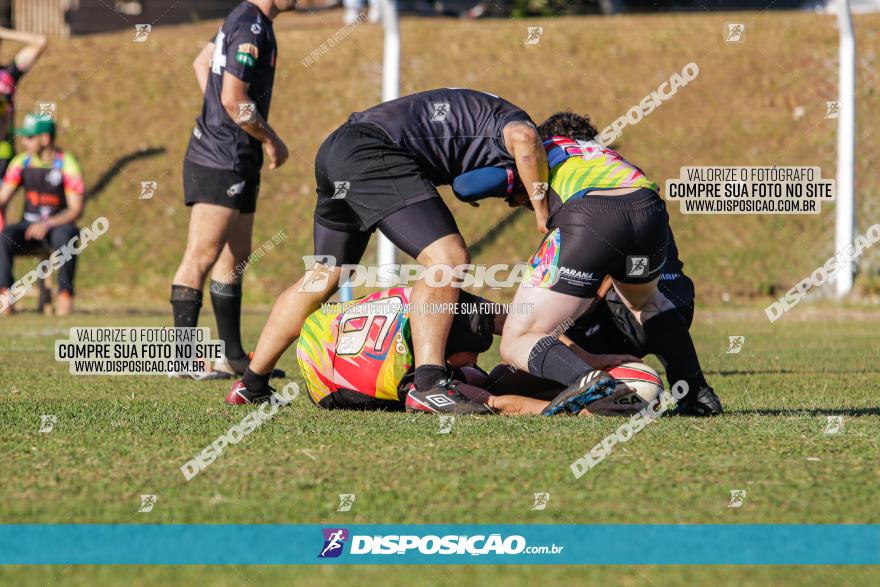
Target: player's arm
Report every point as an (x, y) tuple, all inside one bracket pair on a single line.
[(33, 49), (233, 96), (246, 48), (524, 144), (7, 190), (202, 65), (11, 181)]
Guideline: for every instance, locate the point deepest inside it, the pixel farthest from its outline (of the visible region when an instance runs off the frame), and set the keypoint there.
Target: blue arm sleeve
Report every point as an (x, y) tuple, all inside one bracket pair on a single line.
[(486, 182)]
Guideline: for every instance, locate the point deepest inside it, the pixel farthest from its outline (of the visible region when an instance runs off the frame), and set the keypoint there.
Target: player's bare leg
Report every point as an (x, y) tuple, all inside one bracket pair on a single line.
[(523, 331), (430, 329), (285, 322), (209, 228), (530, 341), (290, 312)]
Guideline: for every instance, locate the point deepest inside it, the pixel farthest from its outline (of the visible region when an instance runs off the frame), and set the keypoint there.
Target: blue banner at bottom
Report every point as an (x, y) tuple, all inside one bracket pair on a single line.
[(650, 544)]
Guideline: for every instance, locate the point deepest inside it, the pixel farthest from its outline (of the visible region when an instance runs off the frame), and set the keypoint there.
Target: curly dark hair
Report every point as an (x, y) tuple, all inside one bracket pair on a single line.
[(568, 124)]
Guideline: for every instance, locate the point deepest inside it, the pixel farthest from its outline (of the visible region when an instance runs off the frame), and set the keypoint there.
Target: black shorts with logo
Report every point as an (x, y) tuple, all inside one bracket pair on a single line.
[(621, 236), (612, 328), (220, 187), (363, 177)]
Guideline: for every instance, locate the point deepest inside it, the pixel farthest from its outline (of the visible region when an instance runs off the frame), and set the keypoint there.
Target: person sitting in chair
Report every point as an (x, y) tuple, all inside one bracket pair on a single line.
[(54, 189)]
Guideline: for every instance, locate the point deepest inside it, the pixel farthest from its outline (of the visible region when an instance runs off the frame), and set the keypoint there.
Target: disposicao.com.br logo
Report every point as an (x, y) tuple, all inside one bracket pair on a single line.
[(334, 540)]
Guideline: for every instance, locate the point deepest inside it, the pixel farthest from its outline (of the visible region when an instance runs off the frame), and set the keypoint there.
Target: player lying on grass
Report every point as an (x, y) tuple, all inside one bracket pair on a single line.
[(361, 358), (606, 218)]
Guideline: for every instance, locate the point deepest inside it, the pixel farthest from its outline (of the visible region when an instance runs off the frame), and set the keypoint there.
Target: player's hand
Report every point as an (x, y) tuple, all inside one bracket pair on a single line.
[(37, 231), (605, 362), (542, 220), (277, 152)]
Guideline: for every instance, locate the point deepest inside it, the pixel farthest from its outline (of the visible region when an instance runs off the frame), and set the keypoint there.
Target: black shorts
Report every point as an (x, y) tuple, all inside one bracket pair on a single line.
[(621, 236), (411, 229), (612, 328), (347, 399), (363, 177), (220, 187)]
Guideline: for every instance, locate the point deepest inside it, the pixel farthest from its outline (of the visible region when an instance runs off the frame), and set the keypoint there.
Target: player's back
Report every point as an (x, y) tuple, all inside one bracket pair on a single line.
[(449, 130), (364, 348)]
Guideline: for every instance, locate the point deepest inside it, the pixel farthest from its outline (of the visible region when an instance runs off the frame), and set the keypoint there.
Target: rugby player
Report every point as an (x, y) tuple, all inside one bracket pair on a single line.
[(10, 75), (380, 170), (607, 326), (606, 218), (54, 201), (221, 170), (359, 357)]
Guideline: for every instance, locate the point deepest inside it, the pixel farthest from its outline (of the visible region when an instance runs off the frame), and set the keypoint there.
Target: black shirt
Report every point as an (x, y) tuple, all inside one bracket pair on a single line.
[(450, 131), (245, 47)]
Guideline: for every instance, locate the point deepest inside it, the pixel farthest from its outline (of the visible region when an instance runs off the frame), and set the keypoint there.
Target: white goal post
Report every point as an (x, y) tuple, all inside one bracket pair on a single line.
[(386, 252), (846, 129), (845, 208)]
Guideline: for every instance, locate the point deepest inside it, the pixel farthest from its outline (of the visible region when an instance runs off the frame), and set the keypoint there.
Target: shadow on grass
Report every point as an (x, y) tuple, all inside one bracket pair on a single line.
[(108, 176), (793, 372), (489, 237), (813, 412)]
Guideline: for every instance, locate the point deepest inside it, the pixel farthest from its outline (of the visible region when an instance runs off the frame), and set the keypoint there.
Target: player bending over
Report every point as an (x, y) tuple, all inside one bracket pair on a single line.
[(606, 218), (594, 194), (361, 358), (380, 170)]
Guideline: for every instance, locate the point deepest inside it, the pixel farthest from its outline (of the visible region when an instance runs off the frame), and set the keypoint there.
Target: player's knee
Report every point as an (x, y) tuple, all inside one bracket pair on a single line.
[(61, 235), (450, 256), (508, 349), (200, 260)]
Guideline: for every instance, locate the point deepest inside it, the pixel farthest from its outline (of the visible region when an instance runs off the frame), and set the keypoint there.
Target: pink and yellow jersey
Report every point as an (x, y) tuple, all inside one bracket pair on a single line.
[(580, 166), (365, 348)]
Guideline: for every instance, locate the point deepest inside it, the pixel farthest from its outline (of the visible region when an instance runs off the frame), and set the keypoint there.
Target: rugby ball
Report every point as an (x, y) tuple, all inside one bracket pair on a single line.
[(637, 386)]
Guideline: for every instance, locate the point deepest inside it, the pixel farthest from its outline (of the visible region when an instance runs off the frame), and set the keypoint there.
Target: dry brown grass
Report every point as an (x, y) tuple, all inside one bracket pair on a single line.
[(115, 97)]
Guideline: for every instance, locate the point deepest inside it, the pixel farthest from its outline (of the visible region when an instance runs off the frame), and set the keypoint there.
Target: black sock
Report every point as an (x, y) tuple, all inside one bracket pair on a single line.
[(670, 340), (226, 301), (550, 359), (185, 305), (255, 383), (428, 375)]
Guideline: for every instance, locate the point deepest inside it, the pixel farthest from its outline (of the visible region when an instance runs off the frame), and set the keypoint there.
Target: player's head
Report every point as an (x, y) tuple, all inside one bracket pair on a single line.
[(283, 5), (37, 132), (471, 333), (569, 125)]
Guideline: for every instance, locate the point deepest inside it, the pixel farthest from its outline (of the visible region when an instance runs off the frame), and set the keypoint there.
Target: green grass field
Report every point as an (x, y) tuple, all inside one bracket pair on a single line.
[(119, 437)]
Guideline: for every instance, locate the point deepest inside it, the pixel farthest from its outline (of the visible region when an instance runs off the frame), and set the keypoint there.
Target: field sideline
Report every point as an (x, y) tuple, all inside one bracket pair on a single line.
[(118, 438)]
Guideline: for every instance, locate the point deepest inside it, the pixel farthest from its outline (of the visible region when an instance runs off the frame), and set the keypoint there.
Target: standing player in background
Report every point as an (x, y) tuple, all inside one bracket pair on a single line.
[(10, 74), (55, 195), (221, 170)]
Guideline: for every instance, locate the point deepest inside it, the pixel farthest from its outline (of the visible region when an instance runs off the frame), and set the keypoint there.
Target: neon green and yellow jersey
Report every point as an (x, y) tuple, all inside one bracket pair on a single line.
[(577, 167)]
